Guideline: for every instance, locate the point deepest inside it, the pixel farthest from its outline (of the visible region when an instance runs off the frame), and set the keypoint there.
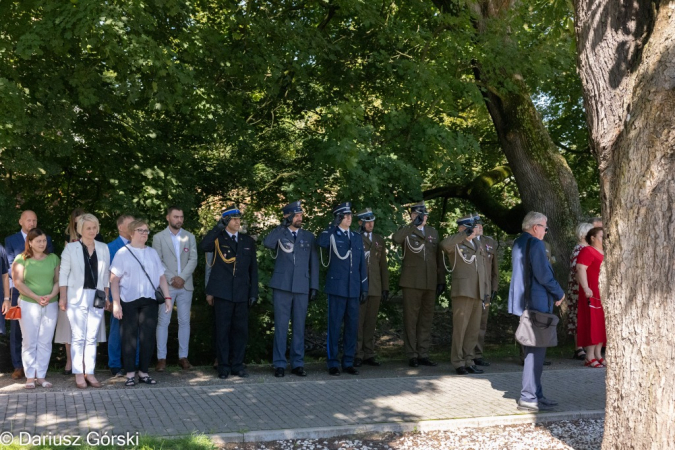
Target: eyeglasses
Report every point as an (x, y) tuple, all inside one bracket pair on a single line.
[(540, 225), (142, 231)]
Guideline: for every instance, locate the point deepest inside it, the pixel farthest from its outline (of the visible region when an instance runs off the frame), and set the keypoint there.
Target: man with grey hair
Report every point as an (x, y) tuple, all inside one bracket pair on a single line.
[(533, 286), (596, 222)]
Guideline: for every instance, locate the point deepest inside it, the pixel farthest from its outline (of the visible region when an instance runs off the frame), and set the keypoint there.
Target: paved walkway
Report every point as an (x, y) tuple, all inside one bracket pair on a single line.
[(304, 404)]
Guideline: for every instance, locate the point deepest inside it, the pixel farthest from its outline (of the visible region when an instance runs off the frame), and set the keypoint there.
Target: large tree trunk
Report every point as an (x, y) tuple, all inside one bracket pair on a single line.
[(627, 66)]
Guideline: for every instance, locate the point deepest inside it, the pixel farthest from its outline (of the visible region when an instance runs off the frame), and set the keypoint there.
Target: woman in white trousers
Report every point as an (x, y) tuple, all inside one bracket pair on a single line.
[(84, 270), (36, 276)]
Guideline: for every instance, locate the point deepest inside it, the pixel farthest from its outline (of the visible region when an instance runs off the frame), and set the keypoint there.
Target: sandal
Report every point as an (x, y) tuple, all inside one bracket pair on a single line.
[(30, 385), (593, 363), (45, 384), (579, 354), (131, 381), (147, 380)]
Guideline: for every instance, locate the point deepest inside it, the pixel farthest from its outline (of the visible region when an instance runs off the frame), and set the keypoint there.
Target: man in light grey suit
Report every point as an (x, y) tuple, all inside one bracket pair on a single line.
[(295, 282), (177, 249)]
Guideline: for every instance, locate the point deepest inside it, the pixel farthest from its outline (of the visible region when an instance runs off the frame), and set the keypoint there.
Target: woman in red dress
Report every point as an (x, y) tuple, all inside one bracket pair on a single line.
[(591, 332)]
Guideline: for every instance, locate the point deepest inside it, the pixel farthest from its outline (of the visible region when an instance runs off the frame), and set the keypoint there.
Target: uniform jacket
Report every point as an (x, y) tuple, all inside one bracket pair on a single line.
[(297, 271), (71, 273), (15, 244), (545, 290), (492, 263), (346, 277), (423, 270), (376, 260), (236, 281), (468, 280), (163, 244)]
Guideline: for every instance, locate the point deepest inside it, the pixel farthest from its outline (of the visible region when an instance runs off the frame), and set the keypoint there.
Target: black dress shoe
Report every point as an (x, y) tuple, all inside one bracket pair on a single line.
[(481, 362), (299, 371), (334, 371), (114, 371), (427, 362), (413, 362), (223, 375), (279, 372), (358, 362), (474, 369), (547, 363), (241, 373), (461, 371), (351, 370), (371, 362)]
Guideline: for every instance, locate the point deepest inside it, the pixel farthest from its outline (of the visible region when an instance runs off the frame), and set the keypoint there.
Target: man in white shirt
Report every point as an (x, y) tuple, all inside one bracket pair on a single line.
[(177, 249)]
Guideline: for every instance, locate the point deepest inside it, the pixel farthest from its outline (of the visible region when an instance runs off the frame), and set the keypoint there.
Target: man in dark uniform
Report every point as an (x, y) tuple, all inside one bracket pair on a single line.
[(422, 280), (233, 283), (295, 281), (346, 286), (378, 288)]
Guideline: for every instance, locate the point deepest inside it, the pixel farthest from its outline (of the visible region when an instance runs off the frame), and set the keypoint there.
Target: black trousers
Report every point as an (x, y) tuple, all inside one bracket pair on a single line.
[(231, 334), (138, 324)]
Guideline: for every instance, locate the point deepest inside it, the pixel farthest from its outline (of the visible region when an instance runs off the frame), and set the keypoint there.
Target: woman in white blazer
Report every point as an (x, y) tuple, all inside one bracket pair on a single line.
[(84, 270)]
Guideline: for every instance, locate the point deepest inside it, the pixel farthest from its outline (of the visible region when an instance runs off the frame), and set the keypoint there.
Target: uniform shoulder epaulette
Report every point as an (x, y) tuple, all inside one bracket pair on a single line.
[(357, 232)]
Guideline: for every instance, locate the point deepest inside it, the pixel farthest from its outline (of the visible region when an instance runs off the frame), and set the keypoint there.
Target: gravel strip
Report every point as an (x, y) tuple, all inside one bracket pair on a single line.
[(583, 434)]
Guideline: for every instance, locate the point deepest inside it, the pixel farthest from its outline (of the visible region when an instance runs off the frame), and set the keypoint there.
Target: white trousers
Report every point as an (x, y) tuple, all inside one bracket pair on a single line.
[(183, 300), (37, 328), (85, 321)]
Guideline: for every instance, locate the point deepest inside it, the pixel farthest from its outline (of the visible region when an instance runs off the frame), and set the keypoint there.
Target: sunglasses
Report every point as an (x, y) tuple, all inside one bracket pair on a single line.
[(540, 225)]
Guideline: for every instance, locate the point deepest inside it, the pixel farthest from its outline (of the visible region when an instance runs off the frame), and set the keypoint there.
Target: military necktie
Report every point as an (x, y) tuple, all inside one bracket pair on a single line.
[(295, 234)]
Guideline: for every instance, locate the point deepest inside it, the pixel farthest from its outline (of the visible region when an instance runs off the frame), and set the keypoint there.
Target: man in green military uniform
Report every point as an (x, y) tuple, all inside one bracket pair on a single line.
[(422, 280), (378, 288), (492, 277), (468, 291)]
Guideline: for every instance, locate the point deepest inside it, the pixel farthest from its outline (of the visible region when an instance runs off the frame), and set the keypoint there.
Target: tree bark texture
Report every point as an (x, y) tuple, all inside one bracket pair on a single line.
[(545, 181), (627, 65)]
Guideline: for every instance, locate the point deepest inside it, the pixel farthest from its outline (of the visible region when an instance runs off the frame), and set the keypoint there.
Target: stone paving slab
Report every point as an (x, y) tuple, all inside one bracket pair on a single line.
[(235, 409)]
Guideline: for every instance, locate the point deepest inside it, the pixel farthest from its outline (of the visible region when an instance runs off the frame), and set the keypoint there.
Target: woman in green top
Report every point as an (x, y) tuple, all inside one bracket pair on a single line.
[(36, 275)]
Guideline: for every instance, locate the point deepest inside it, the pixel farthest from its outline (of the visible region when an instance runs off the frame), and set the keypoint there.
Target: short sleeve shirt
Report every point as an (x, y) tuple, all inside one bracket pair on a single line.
[(133, 282), (38, 275)]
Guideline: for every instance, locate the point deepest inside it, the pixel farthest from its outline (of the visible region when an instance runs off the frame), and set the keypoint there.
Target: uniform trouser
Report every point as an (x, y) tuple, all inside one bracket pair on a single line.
[(289, 307), (342, 310), (481, 334), (365, 347), (138, 327), (15, 347), (466, 315), (183, 300), (231, 334), (85, 321), (418, 318), (532, 369), (37, 325)]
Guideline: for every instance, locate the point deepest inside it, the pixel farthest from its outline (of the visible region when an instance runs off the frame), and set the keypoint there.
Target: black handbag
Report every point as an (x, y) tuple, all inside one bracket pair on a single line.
[(159, 295), (99, 297), (536, 328)]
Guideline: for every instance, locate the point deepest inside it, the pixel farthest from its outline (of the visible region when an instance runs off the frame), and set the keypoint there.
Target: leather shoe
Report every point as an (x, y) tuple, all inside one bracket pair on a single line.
[(461, 371), (474, 369), (481, 362), (547, 402), (223, 375), (351, 370), (241, 373), (184, 364), (161, 365), (299, 371), (371, 362), (547, 363), (413, 362), (18, 374), (334, 371), (427, 362), (279, 372), (358, 362), (114, 371), (532, 406)]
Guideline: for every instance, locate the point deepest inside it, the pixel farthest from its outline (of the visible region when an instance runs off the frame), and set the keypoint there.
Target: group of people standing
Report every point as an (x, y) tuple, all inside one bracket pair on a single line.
[(64, 299)]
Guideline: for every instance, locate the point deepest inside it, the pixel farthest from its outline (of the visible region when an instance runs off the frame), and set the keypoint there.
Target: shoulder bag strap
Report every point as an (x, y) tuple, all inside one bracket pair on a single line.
[(528, 276), (91, 271), (139, 263)]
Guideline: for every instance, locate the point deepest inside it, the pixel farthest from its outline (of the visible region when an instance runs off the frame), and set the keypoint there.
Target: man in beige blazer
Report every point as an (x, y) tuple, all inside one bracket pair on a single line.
[(177, 248), (469, 288)]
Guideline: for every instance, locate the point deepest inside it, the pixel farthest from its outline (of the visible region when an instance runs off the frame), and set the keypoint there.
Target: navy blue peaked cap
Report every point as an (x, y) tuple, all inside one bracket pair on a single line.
[(343, 208)]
